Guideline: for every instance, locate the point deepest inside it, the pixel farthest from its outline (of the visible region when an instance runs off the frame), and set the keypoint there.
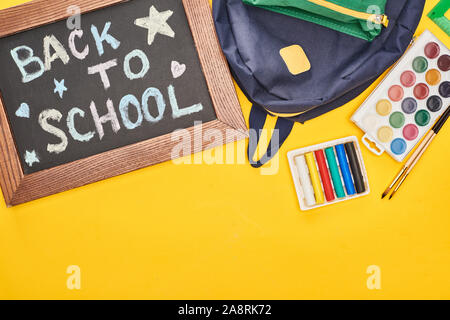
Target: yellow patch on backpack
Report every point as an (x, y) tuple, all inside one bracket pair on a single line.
[(296, 60)]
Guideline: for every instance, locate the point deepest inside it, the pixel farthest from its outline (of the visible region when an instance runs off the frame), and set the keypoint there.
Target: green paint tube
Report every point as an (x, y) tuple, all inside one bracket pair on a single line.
[(334, 170)]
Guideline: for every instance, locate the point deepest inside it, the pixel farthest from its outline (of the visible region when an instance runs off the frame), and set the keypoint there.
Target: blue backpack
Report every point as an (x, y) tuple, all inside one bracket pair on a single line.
[(342, 66)]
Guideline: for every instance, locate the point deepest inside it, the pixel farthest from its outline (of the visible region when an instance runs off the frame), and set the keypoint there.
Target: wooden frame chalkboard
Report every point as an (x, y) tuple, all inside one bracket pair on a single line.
[(18, 187)]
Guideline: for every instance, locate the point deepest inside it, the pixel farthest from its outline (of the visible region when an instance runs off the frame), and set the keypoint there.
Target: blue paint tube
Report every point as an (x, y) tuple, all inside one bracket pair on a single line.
[(345, 170)]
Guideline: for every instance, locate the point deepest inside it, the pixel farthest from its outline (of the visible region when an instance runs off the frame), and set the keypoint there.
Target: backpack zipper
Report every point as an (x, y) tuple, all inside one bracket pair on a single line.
[(375, 18), (286, 115)]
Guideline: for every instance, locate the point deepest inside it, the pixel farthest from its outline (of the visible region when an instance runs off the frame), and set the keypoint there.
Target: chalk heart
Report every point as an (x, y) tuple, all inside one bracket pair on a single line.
[(23, 111), (178, 69)]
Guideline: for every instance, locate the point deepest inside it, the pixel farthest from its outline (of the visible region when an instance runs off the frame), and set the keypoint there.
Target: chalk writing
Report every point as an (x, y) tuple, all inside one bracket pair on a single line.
[(31, 158), (23, 111), (178, 69), (59, 87), (117, 82), (156, 23)]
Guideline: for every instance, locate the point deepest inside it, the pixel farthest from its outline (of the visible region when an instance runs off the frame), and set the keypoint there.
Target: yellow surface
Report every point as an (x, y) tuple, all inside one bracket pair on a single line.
[(314, 174), (227, 231), (295, 59)]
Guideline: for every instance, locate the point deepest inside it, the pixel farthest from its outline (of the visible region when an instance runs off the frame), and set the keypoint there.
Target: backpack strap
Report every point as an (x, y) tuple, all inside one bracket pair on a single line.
[(257, 120)]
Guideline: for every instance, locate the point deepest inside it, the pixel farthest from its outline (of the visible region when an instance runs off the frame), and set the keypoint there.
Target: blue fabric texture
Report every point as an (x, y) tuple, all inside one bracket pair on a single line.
[(342, 66)]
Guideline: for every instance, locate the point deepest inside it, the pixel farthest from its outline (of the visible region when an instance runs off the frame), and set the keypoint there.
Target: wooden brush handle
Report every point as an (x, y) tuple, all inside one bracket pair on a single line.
[(425, 147), (420, 149)]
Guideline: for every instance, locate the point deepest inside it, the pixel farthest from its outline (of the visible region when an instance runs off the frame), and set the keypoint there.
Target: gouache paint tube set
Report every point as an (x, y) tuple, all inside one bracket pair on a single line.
[(328, 173)]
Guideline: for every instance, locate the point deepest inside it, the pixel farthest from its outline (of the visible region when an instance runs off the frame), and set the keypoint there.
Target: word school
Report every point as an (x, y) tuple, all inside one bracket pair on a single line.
[(150, 106)]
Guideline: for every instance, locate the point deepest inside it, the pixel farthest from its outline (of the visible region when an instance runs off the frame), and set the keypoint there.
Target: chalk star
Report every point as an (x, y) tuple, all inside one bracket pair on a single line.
[(31, 158), (156, 23), (59, 87)]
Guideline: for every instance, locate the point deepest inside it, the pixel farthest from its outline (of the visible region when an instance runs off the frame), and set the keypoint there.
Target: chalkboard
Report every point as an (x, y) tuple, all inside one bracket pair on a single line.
[(142, 83), (116, 75)]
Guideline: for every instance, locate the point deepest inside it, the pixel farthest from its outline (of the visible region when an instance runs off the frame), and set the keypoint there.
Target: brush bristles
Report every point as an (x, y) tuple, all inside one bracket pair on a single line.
[(385, 193)]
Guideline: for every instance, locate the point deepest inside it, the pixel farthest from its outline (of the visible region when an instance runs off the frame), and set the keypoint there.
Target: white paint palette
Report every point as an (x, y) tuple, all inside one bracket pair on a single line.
[(408, 101)]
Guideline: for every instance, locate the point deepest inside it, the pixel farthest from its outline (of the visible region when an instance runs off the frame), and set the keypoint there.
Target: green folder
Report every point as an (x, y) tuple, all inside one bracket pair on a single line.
[(438, 15)]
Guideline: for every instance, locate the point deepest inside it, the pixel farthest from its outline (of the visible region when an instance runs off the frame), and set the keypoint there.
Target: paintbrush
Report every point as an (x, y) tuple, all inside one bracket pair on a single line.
[(415, 157), (408, 163)]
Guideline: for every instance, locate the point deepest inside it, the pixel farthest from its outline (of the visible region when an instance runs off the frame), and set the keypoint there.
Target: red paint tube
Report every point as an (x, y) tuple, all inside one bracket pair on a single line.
[(325, 176)]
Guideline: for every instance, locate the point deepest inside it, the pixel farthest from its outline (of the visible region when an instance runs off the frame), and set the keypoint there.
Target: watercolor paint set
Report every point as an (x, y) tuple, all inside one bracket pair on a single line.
[(328, 173), (410, 99)]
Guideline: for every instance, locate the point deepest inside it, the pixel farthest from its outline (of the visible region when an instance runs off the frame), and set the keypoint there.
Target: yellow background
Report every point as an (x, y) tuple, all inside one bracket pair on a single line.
[(226, 231)]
